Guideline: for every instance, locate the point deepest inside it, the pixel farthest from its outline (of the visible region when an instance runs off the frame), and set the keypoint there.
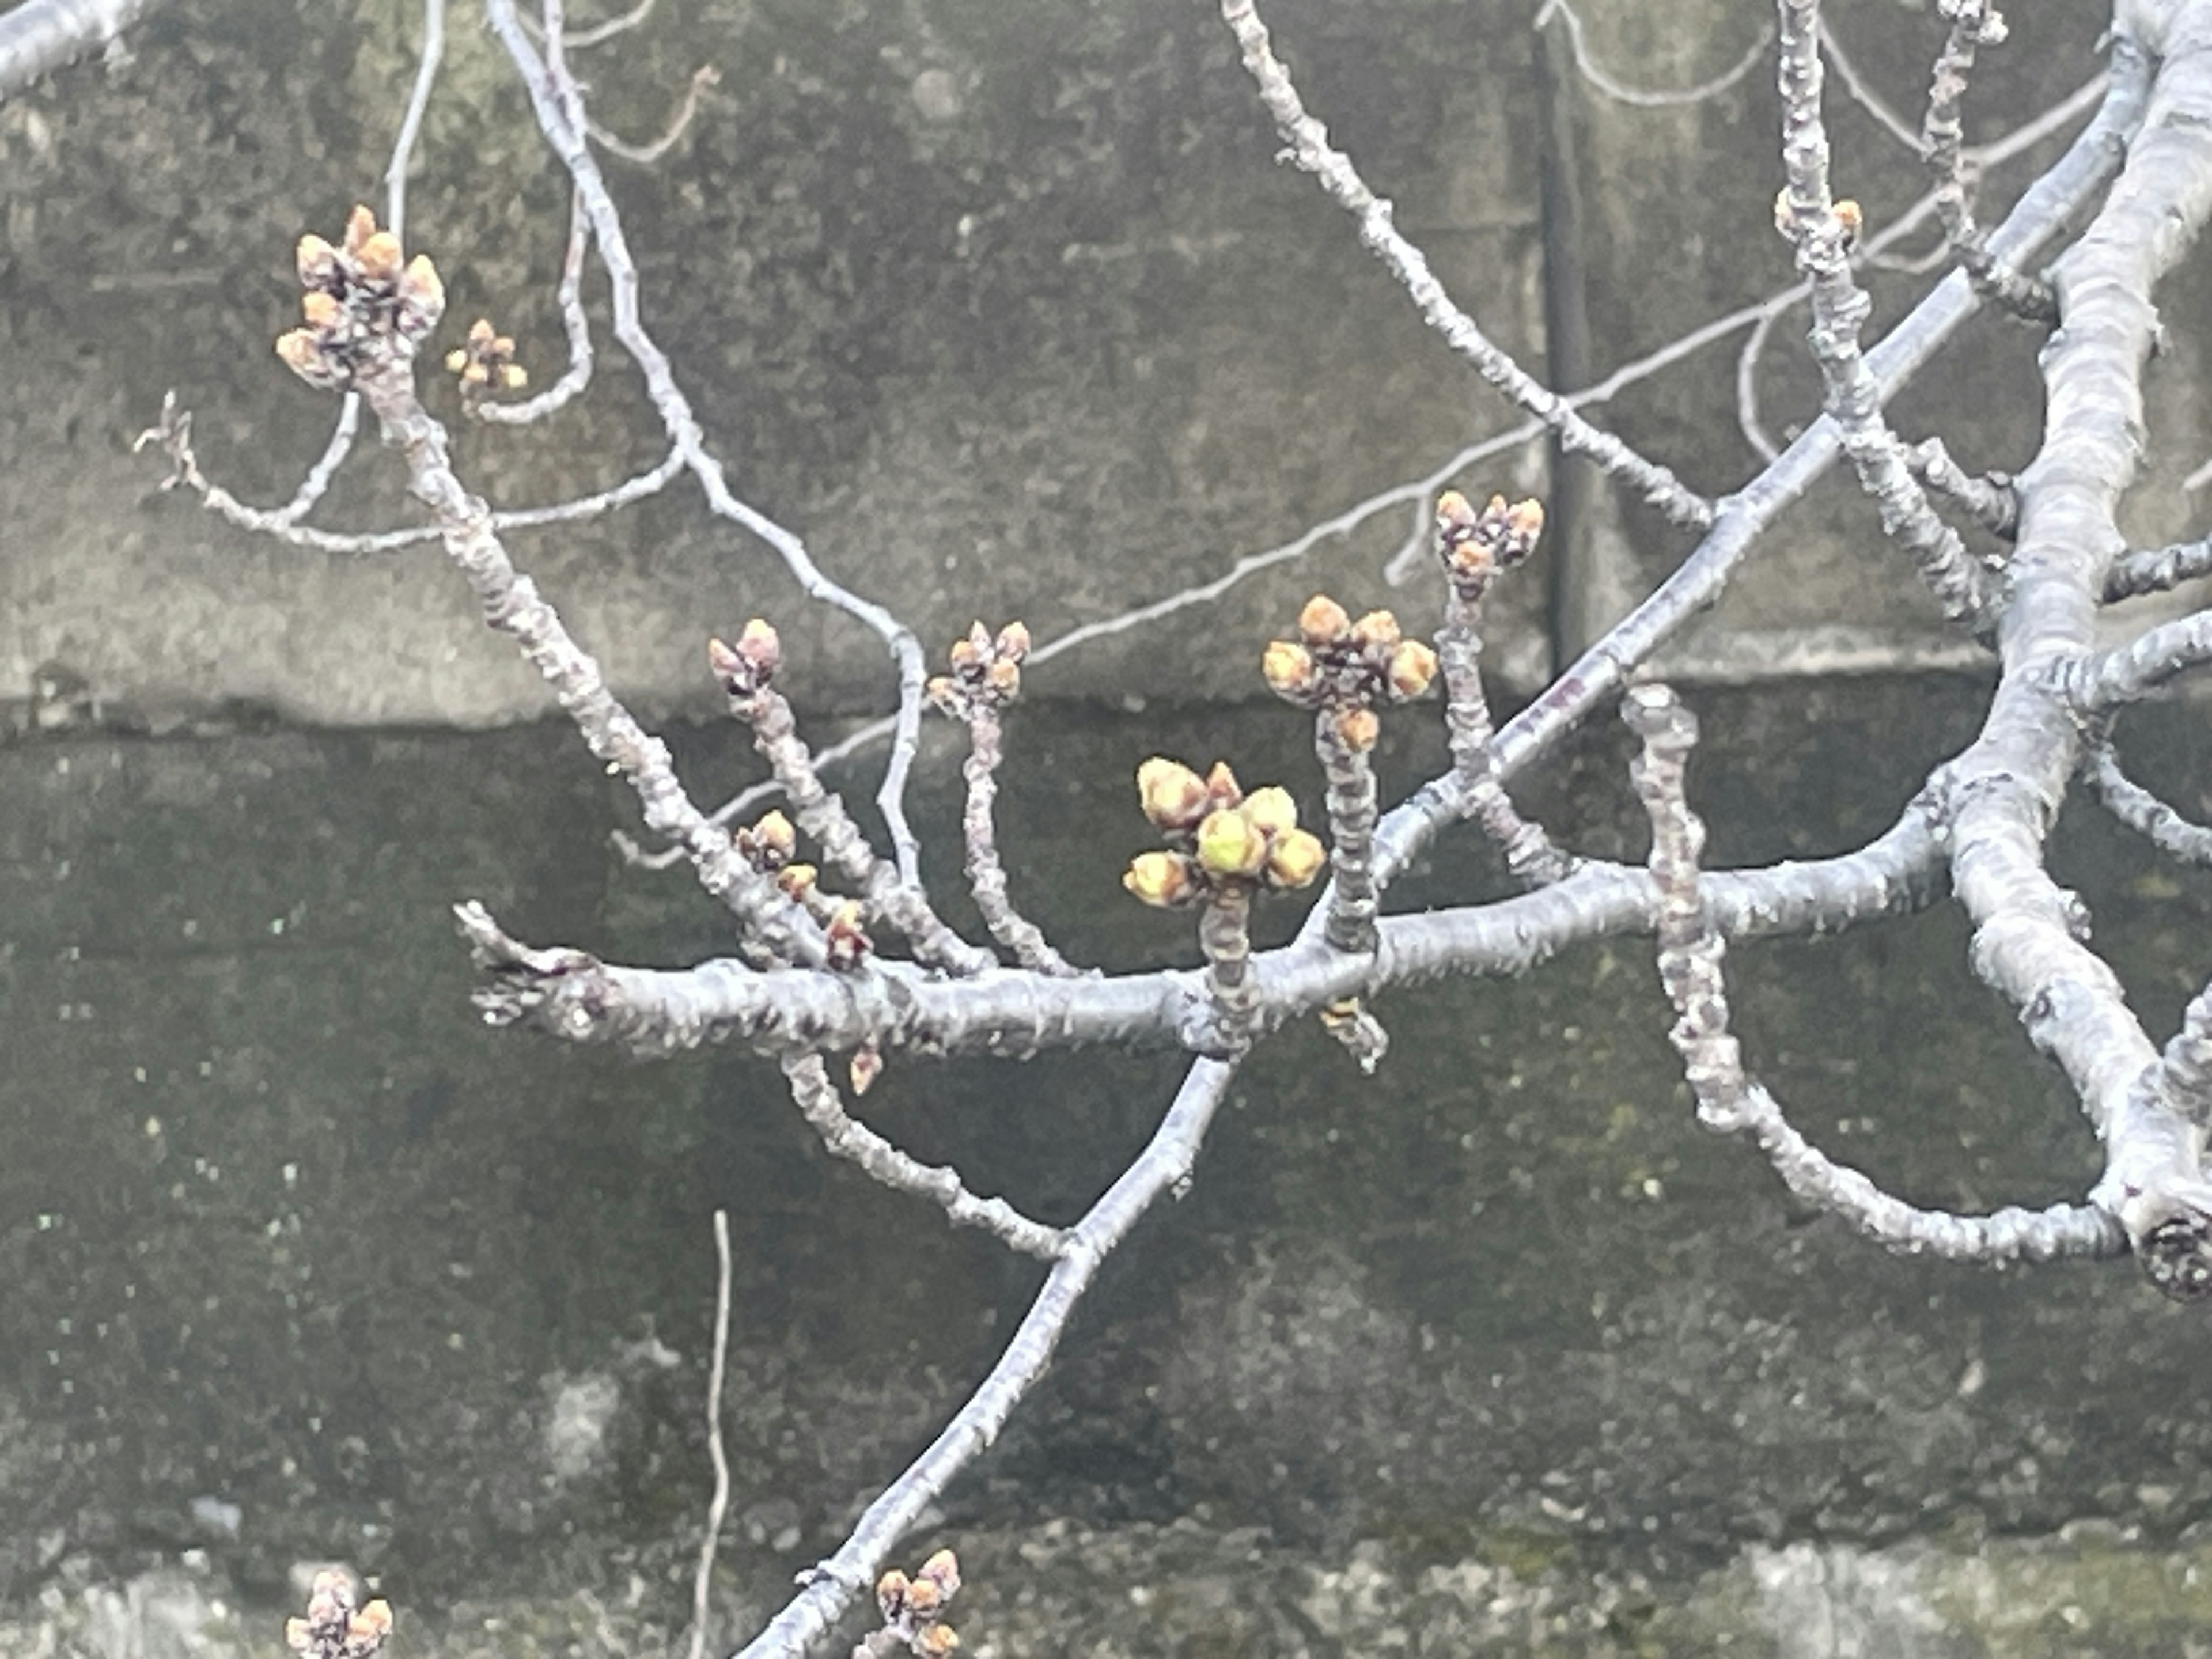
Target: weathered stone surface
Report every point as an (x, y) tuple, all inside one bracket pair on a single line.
[(304, 1264), (1007, 315)]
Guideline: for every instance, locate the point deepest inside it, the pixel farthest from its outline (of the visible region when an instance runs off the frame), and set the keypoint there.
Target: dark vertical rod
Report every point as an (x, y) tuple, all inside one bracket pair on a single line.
[(1567, 359)]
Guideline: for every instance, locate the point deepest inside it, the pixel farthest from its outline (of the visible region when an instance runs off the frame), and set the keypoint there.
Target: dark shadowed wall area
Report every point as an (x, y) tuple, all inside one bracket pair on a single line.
[(1008, 310)]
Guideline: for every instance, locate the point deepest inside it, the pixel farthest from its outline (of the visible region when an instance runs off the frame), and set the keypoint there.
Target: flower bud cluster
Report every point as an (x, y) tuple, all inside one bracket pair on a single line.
[(1477, 546), (335, 1626), (914, 1609), (745, 668), (1219, 836), (986, 671), (485, 361), (768, 845), (359, 304), (1346, 667)]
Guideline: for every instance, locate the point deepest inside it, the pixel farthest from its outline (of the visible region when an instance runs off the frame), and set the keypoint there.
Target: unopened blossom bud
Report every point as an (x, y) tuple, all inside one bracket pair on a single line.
[(924, 1599), (1222, 788), (367, 1628), (1378, 630), (1231, 844), (1412, 667), (965, 653), (942, 1570), (759, 645), (1323, 621), (316, 262), (1295, 858), (379, 257), (797, 880), (1851, 218), (1358, 728), (303, 354), (1004, 676), (1455, 511), (847, 941), (1013, 642), (1173, 796), (936, 1642), (773, 835), (422, 297), (1287, 668), (1272, 809), (867, 1065), (891, 1594), (361, 225), (1160, 878), (321, 309), (1524, 523), (945, 691)]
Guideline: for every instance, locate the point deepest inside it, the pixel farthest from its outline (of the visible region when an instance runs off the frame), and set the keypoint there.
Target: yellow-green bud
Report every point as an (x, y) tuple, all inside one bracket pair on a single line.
[(1296, 859), (1173, 796), (1159, 878), (1358, 728), (1272, 809), (1231, 844), (1323, 622), (773, 835), (1413, 667), (1378, 630), (1287, 668)]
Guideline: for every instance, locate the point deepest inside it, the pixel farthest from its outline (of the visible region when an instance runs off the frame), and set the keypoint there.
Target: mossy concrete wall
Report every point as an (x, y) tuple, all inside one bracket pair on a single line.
[(1007, 308), (1496, 1350)]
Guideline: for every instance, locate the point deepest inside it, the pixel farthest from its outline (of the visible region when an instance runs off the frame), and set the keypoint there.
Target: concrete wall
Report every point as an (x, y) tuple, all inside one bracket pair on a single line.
[(1006, 309)]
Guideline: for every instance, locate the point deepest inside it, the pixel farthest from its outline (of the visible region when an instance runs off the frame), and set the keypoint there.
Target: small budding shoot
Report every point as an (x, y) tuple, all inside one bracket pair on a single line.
[(745, 668), (986, 671), (1477, 547), (1345, 668), (1220, 838), (363, 305), (485, 361), (337, 1626), (914, 1609)]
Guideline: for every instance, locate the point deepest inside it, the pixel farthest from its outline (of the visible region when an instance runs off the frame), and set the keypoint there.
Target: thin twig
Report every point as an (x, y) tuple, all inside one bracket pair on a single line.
[(1164, 1165), (558, 105), (823, 1108), (2140, 810), (1639, 97), (1690, 966), (1822, 230), (646, 154), (1989, 498), (1974, 24), (577, 325), (702, 1580), (2158, 570), (1308, 146)]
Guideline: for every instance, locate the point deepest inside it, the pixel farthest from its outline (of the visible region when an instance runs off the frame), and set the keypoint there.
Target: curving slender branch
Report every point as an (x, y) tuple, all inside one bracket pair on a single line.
[(2140, 810), (1164, 1165), (1691, 954), (558, 105), (1307, 140), (1822, 230)]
